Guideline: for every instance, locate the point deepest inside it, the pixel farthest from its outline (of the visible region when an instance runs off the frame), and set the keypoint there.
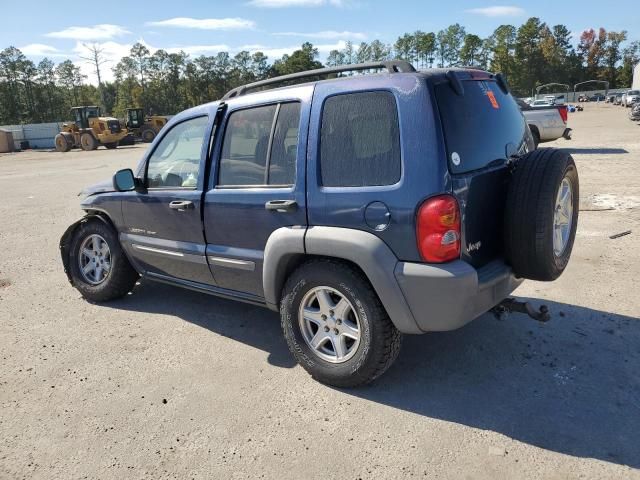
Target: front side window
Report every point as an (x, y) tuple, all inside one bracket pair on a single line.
[(260, 146), (176, 160), (360, 140)]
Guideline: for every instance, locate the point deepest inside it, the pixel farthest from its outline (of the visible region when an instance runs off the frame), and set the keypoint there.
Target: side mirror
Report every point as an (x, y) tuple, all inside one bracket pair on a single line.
[(124, 180)]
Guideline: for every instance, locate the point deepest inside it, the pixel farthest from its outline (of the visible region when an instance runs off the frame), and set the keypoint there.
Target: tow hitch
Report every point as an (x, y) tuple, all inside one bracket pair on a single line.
[(511, 305)]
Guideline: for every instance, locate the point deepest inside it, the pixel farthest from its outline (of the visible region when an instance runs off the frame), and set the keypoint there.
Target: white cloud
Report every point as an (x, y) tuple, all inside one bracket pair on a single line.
[(205, 23), (325, 35), (295, 3), (498, 11), (41, 50), (103, 31)]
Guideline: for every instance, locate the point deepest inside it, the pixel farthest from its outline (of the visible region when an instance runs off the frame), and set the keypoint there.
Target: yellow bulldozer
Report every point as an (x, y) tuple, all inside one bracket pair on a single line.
[(89, 130), (144, 127)]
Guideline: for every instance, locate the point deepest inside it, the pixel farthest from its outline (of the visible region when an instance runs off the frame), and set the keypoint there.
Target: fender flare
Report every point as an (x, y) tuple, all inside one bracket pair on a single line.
[(364, 249), (65, 240)]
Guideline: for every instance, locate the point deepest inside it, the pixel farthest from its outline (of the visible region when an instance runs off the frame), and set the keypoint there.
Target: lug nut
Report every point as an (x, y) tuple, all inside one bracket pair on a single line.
[(335, 330), (326, 329), (331, 312), (339, 322), (323, 317)]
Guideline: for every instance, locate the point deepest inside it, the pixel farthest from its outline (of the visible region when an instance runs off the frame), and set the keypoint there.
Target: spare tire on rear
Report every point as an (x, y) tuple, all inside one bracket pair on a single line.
[(541, 214)]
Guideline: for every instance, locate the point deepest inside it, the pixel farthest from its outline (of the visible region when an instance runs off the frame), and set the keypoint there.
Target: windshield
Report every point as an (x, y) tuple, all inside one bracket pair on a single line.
[(634, 92), (480, 125)]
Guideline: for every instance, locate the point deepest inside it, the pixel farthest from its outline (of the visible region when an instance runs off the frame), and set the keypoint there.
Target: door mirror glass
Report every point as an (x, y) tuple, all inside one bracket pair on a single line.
[(124, 180)]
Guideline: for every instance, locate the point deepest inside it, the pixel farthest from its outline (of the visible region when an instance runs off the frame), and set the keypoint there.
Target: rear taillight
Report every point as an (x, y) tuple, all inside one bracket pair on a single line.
[(563, 113), (438, 229)]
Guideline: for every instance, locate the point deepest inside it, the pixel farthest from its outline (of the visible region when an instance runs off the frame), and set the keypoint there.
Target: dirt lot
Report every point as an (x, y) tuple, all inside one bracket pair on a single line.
[(168, 383)]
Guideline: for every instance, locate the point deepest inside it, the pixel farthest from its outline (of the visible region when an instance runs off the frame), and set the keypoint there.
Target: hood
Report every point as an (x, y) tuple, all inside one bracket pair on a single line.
[(100, 187)]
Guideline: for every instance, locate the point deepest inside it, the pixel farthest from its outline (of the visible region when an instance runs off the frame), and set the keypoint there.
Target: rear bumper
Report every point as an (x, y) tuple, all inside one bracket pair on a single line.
[(448, 296)]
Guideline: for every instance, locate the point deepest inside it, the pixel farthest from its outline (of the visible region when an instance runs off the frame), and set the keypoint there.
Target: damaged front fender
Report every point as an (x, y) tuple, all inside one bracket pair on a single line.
[(67, 238)]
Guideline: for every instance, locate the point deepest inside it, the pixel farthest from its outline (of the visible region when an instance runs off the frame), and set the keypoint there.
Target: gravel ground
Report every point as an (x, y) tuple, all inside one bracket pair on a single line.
[(168, 383)]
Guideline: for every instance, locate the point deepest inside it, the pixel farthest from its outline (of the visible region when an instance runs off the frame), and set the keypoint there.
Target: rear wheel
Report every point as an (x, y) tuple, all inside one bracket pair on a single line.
[(541, 215), (88, 142), (61, 143), (148, 135), (335, 325), (98, 266)]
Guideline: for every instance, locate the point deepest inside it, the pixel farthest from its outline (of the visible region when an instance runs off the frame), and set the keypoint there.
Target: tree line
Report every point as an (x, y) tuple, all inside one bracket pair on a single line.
[(165, 83)]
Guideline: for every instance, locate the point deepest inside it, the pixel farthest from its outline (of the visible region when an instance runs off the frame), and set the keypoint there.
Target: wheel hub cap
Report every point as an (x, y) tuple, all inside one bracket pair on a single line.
[(94, 259), (329, 324), (562, 218)]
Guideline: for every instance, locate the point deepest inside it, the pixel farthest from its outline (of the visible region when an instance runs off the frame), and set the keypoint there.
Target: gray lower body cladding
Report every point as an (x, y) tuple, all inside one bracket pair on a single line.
[(448, 296), (418, 297)]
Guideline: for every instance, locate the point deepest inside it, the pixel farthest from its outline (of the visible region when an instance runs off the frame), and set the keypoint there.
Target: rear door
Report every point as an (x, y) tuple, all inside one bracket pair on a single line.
[(257, 184), (163, 225), (483, 127)]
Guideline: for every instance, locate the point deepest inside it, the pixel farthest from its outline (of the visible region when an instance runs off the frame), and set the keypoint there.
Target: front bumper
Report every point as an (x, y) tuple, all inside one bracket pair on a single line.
[(448, 296)]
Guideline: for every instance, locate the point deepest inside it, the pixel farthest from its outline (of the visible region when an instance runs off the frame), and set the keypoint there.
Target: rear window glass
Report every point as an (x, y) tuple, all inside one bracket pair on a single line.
[(479, 125), (360, 140)]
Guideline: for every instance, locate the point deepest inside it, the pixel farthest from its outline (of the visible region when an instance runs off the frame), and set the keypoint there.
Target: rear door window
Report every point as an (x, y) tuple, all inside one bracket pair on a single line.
[(479, 125), (360, 140)]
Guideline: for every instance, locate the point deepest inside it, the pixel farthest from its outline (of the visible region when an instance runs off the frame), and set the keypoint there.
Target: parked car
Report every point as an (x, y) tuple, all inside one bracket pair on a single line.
[(541, 103), (631, 97), (634, 114), (598, 97), (360, 208), (618, 99), (623, 99), (583, 98), (610, 98), (547, 122)]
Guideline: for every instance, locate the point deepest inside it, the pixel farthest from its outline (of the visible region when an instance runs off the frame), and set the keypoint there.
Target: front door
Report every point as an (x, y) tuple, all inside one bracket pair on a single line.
[(163, 233), (258, 186)]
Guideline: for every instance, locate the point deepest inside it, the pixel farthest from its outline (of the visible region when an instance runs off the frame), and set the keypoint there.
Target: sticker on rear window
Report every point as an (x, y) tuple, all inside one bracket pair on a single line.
[(455, 158), (493, 100)]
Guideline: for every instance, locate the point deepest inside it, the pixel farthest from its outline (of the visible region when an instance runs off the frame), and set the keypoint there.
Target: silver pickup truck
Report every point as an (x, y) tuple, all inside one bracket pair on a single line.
[(547, 123)]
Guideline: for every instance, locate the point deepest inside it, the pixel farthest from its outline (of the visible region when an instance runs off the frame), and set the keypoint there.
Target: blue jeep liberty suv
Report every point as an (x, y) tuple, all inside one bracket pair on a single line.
[(361, 207)]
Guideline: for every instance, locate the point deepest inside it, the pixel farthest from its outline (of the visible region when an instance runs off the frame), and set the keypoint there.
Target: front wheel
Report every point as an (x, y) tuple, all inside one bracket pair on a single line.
[(335, 325), (98, 266), (88, 142), (111, 146)]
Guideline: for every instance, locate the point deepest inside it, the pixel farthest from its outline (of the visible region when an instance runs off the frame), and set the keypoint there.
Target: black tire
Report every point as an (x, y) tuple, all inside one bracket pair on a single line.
[(530, 211), (379, 339), (88, 142), (148, 135), (111, 146), (62, 145), (121, 278)]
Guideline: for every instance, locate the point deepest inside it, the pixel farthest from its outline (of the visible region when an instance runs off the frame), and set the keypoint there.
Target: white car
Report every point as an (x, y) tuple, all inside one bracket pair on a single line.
[(631, 97)]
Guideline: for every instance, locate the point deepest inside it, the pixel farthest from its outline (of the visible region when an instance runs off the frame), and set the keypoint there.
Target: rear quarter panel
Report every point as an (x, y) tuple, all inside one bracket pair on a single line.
[(424, 168)]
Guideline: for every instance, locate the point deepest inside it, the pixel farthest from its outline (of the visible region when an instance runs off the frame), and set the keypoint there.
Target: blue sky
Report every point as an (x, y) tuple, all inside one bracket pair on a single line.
[(276, 26)]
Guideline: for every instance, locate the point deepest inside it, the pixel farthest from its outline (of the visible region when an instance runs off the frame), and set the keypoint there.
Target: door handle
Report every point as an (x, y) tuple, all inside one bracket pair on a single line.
[(281, 206), (181, 205)]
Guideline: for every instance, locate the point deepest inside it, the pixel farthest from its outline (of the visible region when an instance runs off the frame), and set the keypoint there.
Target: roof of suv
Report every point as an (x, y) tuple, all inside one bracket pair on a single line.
[(396, 67)]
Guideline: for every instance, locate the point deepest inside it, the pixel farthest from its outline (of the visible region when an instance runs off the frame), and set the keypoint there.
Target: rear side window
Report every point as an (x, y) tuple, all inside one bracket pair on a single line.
[(360, 140), (479, 125), (260, 146)]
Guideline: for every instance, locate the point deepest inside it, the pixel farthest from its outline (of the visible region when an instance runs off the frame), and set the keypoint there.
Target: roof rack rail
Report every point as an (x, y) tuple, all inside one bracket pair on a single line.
[(392, 66)]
